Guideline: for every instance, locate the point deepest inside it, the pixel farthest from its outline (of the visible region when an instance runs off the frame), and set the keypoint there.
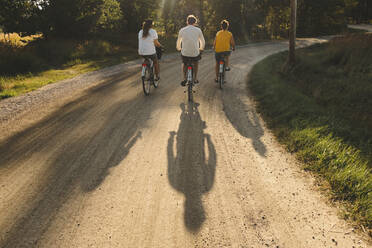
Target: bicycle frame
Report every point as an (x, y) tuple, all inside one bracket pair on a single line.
[(147, 63), (190, 81), (147, 76), (190, 72), (222, 65), (221, 74)]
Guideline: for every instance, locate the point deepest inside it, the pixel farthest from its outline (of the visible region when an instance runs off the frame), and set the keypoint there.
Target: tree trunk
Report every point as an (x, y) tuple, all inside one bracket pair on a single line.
[(292, 33), (201, 17)]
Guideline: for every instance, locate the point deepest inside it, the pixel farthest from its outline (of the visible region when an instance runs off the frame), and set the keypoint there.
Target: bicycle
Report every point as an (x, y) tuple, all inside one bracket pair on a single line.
[(190, 80), (148, 78), (222, 71)]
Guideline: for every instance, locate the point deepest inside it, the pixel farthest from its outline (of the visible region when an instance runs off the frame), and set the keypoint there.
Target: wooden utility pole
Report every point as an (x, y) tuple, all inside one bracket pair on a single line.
[(201, 15), (292, 33)]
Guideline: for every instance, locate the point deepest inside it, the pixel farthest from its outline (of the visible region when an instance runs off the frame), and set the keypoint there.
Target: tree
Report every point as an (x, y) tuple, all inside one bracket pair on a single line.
[(292, 35), (80, 18), (18, 16), (136, 11), (359, 11), (248, 18), (110, 17), (319, 17)]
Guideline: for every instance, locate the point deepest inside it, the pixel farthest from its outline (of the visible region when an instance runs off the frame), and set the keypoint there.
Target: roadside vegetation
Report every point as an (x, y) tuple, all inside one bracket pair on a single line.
[(30, 62), (322, 111)]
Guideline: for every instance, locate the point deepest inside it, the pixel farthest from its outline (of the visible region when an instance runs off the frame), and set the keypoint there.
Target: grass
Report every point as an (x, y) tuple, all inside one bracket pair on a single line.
[(322, 111), (17, 85), (16, 40), (31, 62)]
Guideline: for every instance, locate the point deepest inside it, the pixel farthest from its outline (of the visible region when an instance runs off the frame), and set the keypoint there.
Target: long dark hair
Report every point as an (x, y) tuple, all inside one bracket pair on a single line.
[(146, 28)]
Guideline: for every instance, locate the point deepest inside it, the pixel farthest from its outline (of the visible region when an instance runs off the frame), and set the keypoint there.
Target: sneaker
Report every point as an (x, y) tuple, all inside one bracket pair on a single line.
[(227, 69), (216, 80), (183, 83)]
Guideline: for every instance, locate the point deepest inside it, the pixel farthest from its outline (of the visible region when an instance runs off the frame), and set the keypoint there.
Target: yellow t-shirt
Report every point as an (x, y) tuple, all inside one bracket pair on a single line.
[(223, 39)]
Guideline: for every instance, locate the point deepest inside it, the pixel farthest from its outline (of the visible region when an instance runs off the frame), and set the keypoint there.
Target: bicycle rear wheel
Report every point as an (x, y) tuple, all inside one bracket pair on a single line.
[(221, 80), (156, 83), (146, 82)]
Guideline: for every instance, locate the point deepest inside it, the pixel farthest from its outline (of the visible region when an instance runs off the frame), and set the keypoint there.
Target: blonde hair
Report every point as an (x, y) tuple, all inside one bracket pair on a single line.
[(225, 24)]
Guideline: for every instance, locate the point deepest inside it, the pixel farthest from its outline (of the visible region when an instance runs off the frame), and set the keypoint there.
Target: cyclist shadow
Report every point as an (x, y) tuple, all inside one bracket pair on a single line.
[(245, 120), (192, 168)]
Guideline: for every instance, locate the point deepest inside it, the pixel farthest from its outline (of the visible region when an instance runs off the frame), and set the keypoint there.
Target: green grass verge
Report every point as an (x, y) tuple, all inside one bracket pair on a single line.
[(322, 111), (11, 86), (26, 67)]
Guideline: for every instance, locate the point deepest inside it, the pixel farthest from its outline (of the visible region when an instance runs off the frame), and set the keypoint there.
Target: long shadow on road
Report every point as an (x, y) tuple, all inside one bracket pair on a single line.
[(92, 135), (244, 119), (192, 168)]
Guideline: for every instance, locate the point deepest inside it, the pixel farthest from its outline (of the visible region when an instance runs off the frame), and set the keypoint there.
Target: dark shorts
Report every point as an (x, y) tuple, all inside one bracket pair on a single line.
[(153, 57), (219, 56), (187, 60)]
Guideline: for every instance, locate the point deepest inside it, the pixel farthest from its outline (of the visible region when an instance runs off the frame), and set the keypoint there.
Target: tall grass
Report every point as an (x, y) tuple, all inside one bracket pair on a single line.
[(322, 111)]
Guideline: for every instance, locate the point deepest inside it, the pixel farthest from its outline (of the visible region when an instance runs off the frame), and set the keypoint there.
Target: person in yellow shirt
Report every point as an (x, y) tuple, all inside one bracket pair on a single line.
[(223, 44)]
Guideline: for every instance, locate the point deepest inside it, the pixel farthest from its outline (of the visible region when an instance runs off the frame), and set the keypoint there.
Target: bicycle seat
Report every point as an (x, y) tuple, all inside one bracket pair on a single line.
[(189, 61)]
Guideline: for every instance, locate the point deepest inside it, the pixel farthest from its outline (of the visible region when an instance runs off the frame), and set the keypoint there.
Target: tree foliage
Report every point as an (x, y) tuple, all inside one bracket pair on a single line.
[(136, 11), (359, 10), (18, 16), (249, 19), (319, 17), (81, 18)]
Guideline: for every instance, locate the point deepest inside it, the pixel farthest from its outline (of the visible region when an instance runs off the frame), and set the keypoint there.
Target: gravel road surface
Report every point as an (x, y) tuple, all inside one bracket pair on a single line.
[(92, 162)]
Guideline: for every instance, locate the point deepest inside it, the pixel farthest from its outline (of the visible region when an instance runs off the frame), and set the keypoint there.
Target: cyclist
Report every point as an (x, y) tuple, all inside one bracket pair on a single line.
[(222, 45), (191, 43), (147, 40)]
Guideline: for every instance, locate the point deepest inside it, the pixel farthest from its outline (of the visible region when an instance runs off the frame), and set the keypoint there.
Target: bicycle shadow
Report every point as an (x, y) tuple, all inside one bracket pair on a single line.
[(192, 168)]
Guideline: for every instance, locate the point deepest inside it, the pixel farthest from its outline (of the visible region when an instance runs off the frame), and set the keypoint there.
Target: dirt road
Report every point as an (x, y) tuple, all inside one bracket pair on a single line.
[(367, 27), (113, 168)]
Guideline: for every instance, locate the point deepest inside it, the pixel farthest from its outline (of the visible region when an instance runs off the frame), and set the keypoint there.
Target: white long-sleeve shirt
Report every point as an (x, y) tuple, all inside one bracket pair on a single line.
[(190, 41)]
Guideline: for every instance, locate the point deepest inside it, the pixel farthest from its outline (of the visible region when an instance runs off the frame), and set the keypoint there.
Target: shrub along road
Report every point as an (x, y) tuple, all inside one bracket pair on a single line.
[(109, 167)]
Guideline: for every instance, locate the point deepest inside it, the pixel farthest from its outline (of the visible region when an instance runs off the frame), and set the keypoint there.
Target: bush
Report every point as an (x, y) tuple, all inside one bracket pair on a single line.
[(18, 60), (43, 54), (97, 49), (2, 84)]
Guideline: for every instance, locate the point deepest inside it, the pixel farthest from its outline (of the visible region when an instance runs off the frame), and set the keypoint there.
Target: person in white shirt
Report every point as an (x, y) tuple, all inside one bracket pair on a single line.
[(191, 43), (147, 40)]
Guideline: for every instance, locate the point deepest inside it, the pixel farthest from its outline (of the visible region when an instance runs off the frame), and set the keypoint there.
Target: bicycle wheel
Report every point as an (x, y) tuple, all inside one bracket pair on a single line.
[(152, 77), (190, 92), (221, 74), (220, 80), (146, 82), (156, 83)]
